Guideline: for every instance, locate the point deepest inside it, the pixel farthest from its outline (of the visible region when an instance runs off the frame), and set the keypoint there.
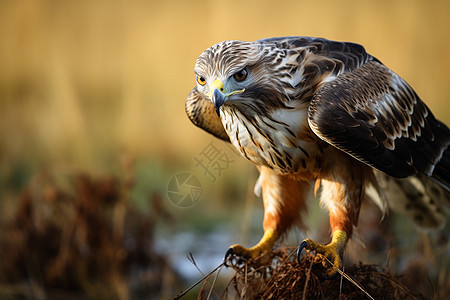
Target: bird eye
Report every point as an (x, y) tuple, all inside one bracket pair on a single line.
[(241, 75), (201, 80)]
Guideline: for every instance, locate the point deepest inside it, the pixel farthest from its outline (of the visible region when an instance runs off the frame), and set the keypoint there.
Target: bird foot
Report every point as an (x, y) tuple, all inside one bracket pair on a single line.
[(332, 250), (238, 254)]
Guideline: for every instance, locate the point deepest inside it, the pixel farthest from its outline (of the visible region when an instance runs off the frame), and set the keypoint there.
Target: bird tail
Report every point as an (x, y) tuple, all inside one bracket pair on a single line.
[(417, 197)]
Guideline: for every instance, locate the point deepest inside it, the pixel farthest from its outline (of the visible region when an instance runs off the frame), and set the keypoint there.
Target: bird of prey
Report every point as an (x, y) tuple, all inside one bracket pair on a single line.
[(313, 113)]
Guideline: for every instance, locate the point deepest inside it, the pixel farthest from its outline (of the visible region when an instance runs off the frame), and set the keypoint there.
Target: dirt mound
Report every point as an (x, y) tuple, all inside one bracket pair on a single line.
[(280, 276)]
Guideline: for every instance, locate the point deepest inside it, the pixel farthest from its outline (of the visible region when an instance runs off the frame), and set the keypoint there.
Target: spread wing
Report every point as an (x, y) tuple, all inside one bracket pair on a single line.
[(375, 116), (201, 112)]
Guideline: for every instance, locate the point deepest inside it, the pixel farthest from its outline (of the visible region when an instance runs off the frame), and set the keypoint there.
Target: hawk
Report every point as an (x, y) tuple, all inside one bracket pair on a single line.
[(310, 113)]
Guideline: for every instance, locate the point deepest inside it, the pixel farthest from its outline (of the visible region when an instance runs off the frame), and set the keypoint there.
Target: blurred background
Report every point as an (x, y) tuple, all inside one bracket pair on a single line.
[(92, 111)]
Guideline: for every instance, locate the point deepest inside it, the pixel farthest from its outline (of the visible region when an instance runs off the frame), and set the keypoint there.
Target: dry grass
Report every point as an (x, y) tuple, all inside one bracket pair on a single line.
[(75, 236), (279, 276)]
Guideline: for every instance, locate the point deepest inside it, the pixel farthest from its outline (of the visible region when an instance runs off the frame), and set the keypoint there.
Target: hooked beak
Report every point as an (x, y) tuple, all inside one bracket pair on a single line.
[(218, 97)]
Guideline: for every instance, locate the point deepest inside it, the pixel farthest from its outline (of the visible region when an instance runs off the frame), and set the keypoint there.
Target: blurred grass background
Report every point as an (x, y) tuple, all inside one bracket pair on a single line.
[(82, 82), (81, 79)]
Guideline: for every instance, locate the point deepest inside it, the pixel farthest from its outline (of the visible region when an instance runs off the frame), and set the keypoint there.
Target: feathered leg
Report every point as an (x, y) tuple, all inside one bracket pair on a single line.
[(284, 199), (342, 193)]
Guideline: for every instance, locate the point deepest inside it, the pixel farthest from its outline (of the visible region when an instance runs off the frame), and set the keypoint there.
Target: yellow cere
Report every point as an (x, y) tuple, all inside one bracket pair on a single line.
[(217, 84)]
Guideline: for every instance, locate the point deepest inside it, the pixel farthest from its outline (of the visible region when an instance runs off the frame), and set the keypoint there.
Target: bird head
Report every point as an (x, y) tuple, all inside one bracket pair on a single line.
[(230, 73)]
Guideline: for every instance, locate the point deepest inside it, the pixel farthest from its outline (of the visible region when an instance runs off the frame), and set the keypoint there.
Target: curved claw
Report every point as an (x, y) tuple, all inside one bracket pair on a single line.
[(229, 252), (302, 246), (229, 257), (332, 250)]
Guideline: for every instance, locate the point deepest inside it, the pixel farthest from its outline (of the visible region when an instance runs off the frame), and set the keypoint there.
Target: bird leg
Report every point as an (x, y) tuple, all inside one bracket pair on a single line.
[(333, 250), (342, 192), (284, 199)]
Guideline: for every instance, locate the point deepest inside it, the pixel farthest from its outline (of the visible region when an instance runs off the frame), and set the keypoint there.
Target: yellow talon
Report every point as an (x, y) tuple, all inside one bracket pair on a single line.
[(333, 249), (265, 244)]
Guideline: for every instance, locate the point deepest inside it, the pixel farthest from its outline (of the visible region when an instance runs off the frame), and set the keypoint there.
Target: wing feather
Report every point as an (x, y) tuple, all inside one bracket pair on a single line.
[(375, 116)]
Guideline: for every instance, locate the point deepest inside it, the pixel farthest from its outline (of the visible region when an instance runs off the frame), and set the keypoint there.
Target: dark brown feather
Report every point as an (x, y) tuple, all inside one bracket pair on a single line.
[(375, 116)]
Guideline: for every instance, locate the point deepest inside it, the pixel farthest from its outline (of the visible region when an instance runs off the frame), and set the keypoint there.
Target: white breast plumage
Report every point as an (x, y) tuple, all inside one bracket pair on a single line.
[(266, 141)]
